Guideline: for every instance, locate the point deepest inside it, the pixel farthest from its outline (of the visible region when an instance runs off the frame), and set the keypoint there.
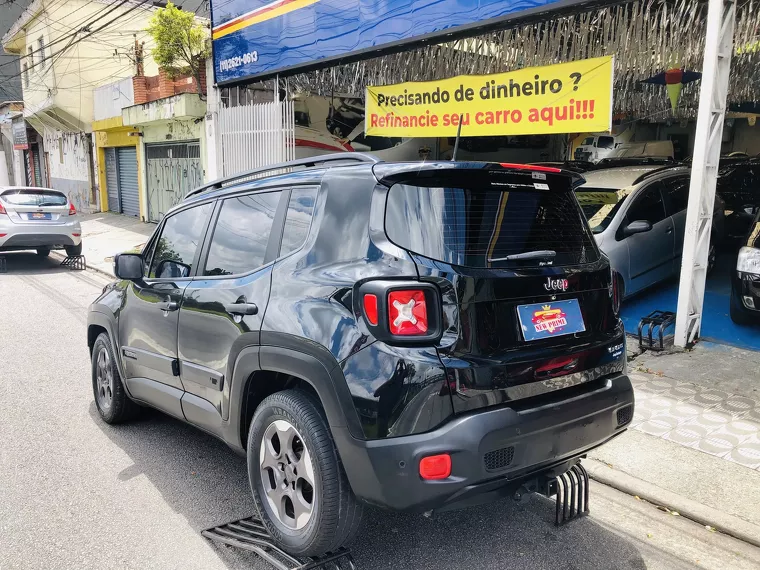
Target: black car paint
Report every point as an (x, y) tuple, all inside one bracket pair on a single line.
[(376, 396)]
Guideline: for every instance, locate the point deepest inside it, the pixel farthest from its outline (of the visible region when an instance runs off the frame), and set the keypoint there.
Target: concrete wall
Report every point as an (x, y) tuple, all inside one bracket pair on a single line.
[(110, 99), (68, 160)]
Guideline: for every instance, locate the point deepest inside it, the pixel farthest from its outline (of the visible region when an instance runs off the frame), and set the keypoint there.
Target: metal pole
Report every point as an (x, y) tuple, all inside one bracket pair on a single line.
[(719, 40)]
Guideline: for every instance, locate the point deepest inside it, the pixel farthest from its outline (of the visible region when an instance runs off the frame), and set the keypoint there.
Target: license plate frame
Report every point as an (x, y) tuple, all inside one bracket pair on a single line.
[(40, 216), (553, 319)]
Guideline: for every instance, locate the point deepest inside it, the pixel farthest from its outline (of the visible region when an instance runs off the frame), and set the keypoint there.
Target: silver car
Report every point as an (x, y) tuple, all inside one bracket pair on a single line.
[(38, 218), (638, 217)]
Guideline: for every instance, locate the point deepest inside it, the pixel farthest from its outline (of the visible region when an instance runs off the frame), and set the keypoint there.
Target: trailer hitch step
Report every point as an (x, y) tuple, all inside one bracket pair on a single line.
[(75, 262), (251, 535), (572, 490)]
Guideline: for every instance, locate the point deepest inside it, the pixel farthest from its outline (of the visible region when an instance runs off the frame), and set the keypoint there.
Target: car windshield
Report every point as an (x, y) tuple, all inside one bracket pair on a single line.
[(588, 141), (606, 142), (600, 205), (34, 197)]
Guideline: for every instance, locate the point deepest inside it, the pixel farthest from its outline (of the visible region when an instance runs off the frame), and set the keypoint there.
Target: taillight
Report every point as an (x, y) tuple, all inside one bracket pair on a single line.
[(616, 293), (534, 167), (407, 312), (370, 308), (72, 210), (2, 209), (403, 313), (435, 467)]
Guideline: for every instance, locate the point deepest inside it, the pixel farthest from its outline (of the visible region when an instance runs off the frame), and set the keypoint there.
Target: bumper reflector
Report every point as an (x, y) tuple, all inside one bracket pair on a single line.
[(435, 467)]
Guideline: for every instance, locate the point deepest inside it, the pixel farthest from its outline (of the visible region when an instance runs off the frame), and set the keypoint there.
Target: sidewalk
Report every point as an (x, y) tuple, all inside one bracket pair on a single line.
[(105, 234), (694, 439)]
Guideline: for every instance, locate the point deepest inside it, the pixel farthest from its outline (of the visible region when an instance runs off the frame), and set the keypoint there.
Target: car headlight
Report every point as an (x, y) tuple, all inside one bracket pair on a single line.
[(749, 260)]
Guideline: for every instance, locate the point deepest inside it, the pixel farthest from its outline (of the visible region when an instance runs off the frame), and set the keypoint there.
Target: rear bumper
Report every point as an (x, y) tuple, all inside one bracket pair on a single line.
[(30, 236), (490, 450)]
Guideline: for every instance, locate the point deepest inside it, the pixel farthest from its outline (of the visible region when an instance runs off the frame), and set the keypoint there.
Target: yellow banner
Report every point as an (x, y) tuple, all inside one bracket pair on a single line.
[(564, 98)]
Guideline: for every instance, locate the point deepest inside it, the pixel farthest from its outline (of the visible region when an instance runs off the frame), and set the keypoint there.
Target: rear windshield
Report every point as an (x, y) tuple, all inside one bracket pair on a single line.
[(34, 197), (600, 206), (479, 228), (606, 142)]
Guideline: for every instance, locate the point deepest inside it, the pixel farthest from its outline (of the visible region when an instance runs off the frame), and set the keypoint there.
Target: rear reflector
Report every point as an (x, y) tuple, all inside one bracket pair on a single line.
[(407, 312), (534, 167), (3, 235), (72, 210), (76, 235), (370, 309), (435, 467)]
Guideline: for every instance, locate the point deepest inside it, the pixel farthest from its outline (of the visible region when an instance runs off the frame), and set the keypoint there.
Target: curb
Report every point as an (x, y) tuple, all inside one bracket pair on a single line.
[(720, 521), (89, 267)]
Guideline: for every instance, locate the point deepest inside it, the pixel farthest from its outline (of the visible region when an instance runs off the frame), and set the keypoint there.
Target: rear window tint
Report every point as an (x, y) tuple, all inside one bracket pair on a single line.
[(33, 197), (477, 228)]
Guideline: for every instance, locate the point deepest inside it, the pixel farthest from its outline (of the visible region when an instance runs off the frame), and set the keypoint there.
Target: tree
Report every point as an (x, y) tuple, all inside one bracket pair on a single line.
[(181, 43)]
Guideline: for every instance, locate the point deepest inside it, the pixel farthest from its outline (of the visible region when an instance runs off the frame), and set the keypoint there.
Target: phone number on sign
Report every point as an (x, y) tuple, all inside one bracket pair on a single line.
[(237, 61)]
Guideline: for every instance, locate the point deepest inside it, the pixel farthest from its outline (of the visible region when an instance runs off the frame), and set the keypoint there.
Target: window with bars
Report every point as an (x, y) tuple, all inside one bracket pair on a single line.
[(42, 52)]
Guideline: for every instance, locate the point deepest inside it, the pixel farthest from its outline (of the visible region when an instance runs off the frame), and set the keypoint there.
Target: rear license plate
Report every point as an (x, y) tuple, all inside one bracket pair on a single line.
[(39, 216), (547, 320)]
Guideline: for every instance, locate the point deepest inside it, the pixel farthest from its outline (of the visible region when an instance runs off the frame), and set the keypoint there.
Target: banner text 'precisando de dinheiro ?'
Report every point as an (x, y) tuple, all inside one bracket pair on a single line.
[(573, 97)]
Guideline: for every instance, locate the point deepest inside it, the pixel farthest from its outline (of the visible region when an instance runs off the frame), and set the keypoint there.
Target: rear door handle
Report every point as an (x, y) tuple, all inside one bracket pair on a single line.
[(242, 309), (669, 230), (169, 306)]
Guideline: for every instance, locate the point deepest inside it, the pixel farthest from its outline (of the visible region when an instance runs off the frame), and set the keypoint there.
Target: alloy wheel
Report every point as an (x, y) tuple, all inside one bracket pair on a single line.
[(287, 475), (104, 380)]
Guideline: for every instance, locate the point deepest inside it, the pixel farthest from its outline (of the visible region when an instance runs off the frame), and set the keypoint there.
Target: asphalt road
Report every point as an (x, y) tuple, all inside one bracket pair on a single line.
[(76, 493)]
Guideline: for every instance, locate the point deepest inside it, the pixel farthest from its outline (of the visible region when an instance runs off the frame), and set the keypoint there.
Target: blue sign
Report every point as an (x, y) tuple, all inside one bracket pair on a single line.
[(546, 320), (255, 38)]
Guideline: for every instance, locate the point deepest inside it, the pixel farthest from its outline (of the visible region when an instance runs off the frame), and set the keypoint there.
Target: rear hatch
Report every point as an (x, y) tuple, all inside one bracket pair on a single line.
[(527, 296), (35, 206)]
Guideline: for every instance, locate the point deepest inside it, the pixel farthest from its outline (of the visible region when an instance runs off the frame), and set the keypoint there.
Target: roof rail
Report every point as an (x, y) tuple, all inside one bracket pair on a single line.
[(277, 168), (656, 171)]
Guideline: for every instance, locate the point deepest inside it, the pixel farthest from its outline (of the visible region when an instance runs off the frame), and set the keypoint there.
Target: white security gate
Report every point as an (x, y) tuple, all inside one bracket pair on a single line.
[(252, 136), (173, 171), (112, 181)]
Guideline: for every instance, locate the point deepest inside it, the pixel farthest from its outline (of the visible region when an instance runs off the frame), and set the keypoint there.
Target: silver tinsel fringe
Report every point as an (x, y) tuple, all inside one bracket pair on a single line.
[(646, 37)]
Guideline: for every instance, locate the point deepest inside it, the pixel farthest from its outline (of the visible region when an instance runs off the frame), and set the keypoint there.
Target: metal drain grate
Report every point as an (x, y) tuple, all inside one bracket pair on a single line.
[(624, 415), (499, 459)]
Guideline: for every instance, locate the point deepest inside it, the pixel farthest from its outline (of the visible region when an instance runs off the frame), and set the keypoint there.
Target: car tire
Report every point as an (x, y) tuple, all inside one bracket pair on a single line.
[(114, 406), (43, 251), (289, 432), (74, 250), (738, 315)]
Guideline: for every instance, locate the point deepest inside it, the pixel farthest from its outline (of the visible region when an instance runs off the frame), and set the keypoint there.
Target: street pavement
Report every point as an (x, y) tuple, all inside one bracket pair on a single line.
[(76, 493)]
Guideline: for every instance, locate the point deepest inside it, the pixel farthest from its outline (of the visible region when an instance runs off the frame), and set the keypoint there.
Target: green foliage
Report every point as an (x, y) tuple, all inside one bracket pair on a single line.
[(181, 44)]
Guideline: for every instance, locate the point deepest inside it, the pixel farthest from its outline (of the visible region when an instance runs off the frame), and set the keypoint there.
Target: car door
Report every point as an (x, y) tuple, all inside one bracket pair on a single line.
[(223, 306), (650, 253), (676, 195), (148, 320)]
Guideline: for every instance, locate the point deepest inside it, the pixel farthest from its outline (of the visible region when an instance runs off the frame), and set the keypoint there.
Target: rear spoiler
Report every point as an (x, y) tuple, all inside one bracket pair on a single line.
[(390, 173)]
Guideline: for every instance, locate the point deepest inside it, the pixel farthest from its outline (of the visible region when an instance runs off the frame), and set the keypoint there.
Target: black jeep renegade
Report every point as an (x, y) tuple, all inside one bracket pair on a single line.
[(406, 335)]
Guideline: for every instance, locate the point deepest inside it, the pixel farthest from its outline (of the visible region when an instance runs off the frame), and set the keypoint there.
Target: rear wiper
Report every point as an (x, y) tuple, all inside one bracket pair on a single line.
[(543, 254), (44, 204)]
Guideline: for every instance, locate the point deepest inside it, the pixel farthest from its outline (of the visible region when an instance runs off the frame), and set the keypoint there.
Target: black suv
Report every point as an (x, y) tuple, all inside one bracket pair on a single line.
[(405, 335)]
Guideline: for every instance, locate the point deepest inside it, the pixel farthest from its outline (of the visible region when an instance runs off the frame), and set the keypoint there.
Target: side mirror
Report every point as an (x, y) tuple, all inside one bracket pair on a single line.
[(128, 266), (637, 227), (171, 269)]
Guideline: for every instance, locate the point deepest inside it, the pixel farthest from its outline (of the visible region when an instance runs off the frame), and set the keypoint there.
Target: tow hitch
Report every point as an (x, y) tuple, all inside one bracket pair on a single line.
[(572, 490), (249, 534)]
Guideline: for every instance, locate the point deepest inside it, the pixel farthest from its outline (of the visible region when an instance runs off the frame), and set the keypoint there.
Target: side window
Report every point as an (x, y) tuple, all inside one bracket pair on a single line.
[(298, 219), (241, 235), (677, 194), (180, 238), (648, 206)]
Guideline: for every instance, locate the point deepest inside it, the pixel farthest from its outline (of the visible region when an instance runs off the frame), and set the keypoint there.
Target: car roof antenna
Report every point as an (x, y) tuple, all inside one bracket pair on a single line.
[(456, 142)]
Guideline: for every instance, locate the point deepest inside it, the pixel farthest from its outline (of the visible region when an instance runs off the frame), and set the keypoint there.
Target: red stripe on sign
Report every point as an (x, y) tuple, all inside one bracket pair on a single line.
[(262, 10)]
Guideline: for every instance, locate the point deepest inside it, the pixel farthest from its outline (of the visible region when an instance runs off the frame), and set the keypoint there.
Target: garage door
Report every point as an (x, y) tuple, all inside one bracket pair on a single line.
[(112, 181), (173, 170), (129, 194)]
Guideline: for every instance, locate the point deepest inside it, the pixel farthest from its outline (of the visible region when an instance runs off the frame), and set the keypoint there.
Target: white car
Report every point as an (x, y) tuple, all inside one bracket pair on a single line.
[(41, 219)]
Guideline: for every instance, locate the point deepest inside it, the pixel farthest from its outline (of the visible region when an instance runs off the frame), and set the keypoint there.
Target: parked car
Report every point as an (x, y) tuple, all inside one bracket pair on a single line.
[(638, 217), (739, 187), (405, 335), (40, 219), (745, 278)]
